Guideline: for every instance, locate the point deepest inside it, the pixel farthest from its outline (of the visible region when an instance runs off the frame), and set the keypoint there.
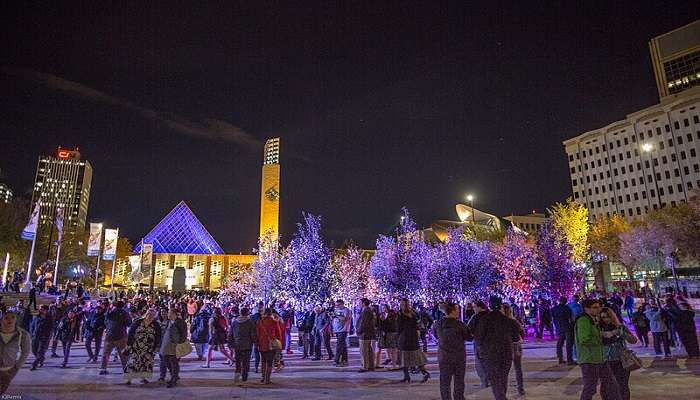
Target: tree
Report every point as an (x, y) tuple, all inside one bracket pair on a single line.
[(558, 274), (239, 287), (518, 268), (682, 224), (351, 270), (648, 247), (307, 260), (268, 270), (571, 221), (605, 236), (13, 218)]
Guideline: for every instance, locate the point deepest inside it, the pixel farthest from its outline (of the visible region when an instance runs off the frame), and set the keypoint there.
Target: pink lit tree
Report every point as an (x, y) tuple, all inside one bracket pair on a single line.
[(517, 265)]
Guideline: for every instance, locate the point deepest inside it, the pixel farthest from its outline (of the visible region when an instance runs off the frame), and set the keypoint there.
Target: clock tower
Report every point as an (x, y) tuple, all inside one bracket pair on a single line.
[(270, 189)]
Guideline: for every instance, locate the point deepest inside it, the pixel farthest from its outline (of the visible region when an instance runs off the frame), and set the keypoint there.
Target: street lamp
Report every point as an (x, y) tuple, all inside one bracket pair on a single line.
[(648, 148), (470, 199)]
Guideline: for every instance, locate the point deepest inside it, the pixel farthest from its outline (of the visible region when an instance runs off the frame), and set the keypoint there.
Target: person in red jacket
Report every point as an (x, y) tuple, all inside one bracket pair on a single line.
[(269, 342)]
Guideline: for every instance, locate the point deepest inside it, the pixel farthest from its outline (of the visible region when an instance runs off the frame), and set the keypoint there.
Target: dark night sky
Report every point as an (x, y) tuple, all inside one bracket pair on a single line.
[(378, 106)]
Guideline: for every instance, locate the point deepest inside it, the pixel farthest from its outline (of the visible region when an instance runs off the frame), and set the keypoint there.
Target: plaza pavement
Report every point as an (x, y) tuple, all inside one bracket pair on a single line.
[(309, 380)]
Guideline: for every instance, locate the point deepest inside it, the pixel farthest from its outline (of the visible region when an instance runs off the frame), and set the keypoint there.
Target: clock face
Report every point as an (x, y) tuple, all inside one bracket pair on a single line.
[(272, 194)]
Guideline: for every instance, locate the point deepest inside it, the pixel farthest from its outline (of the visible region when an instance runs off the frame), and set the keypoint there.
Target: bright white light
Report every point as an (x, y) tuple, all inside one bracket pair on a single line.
[(647, 147), (470, 197)]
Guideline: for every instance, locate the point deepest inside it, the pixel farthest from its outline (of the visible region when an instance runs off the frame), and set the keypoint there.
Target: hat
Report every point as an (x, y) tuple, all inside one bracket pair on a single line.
[(495, 302)]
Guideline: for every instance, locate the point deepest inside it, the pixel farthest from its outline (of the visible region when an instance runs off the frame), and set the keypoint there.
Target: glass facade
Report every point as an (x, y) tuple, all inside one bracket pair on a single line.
[(683, 72)]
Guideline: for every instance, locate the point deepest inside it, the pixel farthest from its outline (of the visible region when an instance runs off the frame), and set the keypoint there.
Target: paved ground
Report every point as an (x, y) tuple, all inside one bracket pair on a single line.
[(302, 379)]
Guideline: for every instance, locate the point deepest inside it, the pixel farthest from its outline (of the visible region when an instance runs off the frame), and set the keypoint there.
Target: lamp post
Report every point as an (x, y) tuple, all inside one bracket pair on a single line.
[(648, 148), (470, 199)]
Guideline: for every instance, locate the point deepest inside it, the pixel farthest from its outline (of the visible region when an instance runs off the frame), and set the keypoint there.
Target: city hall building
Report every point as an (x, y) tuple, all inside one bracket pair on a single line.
[(186, 256)]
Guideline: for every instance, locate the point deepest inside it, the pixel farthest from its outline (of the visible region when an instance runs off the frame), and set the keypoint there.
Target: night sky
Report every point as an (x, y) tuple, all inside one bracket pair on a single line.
[(378, 106)]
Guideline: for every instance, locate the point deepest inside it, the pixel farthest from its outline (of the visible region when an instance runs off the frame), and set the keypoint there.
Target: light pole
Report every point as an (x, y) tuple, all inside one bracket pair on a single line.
[(648, 148), (470, 199)]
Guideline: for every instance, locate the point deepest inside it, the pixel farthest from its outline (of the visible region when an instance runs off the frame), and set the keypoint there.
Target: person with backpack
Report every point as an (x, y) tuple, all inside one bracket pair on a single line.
[(217, 336), (590, 354), (199, 331)]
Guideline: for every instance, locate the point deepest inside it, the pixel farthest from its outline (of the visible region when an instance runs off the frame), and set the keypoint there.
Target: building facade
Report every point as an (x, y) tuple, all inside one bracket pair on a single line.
[(63, 181), (676, 59), (650, 159), (530, 223)]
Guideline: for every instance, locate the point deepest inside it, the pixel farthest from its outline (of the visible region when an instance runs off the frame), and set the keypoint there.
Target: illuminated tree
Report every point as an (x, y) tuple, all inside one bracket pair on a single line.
[(307, 259), (239, 287), (268, 270), (351, 270), (558, 274), (517, 266), (571, 220)]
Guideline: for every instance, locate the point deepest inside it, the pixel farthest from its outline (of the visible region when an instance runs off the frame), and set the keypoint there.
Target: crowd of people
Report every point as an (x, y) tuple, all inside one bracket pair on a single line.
[(135, 328)]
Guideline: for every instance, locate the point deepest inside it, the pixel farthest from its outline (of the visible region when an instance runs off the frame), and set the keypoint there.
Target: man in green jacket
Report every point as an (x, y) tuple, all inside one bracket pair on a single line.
[(589, 354)]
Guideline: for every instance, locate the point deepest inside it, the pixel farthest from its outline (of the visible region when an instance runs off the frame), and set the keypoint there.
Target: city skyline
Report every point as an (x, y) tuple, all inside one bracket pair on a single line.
[(375, 111)]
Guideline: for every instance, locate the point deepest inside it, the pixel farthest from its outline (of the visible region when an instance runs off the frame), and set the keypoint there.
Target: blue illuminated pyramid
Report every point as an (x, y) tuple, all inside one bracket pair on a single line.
[(180, 232)]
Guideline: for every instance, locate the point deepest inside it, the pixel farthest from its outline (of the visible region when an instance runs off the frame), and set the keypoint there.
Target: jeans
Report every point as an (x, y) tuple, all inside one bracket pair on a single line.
[(120, 344), (541, 327), (200, 348), (566, 335), (480, 371), (97, 338), (288, 338), (622, 377), (308, 344), (39, 347), (367, 354), (497, 371), (243, 363), (452, 370), (256, 353), (643, 335), (594, 373), (424, 340), (341, 347), (661, 337), (172, 364), (518, 366), (326, 340), (66, 345)]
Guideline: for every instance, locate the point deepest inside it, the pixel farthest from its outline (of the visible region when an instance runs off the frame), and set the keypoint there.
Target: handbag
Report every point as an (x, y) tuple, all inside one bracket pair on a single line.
[(183, 349), (274, 344), (629, 360)]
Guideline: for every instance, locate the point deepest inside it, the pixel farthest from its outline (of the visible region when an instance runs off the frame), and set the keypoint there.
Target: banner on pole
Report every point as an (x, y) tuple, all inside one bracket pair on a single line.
[(95, 240), (110, 250), (147, 260), (59, 224), (135, 262), (29, 231)]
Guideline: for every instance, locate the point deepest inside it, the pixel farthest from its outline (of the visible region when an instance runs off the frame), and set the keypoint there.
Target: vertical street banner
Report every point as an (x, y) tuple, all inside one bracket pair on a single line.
[(95, 240), (59, 225), (29, 231), (110, 250), (147, 260)]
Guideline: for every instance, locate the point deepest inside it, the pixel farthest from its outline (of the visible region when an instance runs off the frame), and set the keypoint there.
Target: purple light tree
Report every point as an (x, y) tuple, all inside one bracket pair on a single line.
[(307, 259), (558, 275), (352, 279), (518, 267)]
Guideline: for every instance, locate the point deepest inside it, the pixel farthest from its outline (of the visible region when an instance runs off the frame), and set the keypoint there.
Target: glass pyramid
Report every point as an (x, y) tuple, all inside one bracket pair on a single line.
[(180, 232)]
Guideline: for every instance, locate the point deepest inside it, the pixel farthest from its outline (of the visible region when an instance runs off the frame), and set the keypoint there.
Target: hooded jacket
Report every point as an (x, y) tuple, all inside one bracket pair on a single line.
[(242, 333)]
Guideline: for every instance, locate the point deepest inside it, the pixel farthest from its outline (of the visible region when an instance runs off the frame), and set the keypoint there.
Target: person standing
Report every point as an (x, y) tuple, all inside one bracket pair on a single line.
[(94, 329), (561, 314), (15, 344), (451, 333), (517, 350), (174, 334), (322, 333), (641, 325), (142, 343), (480, 311), (40, 330), (685, 324), (288, 318), (388, 337), (269, 341), (590, 355), (341, 326), (659, 329), (544, 315), (199, 332), (425, 323), (117, 321), (411, 354), (629, 304), (306, 330), (367, 334), (496, 334), (614, 335), (256, 317), (242, 334)]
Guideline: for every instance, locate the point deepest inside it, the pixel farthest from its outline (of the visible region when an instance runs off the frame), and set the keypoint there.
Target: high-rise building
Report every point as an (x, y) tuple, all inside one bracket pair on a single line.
[(270, 188), (646, 161), (676, 59), (63, 181)]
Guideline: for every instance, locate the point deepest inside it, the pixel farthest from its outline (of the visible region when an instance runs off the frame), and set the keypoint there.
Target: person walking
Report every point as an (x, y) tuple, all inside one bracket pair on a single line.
[(496, 334), (15, 344), (629, 304), (451, 333), (66, 333), (269, 341), (367, 335), (288, 318), (480, 311), (562, 316), (517, 349), (341, 326), (143, 341), (57, 311), (411, 354), (659, 330), (641, 325), (242, 336), (199, 332), (174, 334), (40, 331), (544, 315), (94, 329), (322, 333), (590, 354), (685, 324), (117, 321), (256, 317), (217, 337), (614, 335)]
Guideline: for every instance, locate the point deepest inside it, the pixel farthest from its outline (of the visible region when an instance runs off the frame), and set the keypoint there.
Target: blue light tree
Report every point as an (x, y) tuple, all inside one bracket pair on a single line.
[(558, 275), (518, 267), (307, 263), (268, 282)]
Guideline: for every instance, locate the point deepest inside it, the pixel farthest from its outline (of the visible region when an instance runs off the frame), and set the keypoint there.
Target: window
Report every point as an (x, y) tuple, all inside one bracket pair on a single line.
[(680, 188), (629, 155), (573, 182), (670, 142), (668, 129), (683, 156), (689, 137), (571, 157), (696, 119), (639, 211), (679, 139), (664, 160), (641, 135), (636, 196), (689, 185), (625, 184), (597, 150), (667, 174), (696, 167), (658, 130), (627, 197), (575, 195), (634, 182), (686, 122), (662, 145), (644, 194), (573, 170), (670, 190), (693, 153), (617, 185), (686, 171), (673, 157), (627, 142), (619, 199), (676, 125)]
